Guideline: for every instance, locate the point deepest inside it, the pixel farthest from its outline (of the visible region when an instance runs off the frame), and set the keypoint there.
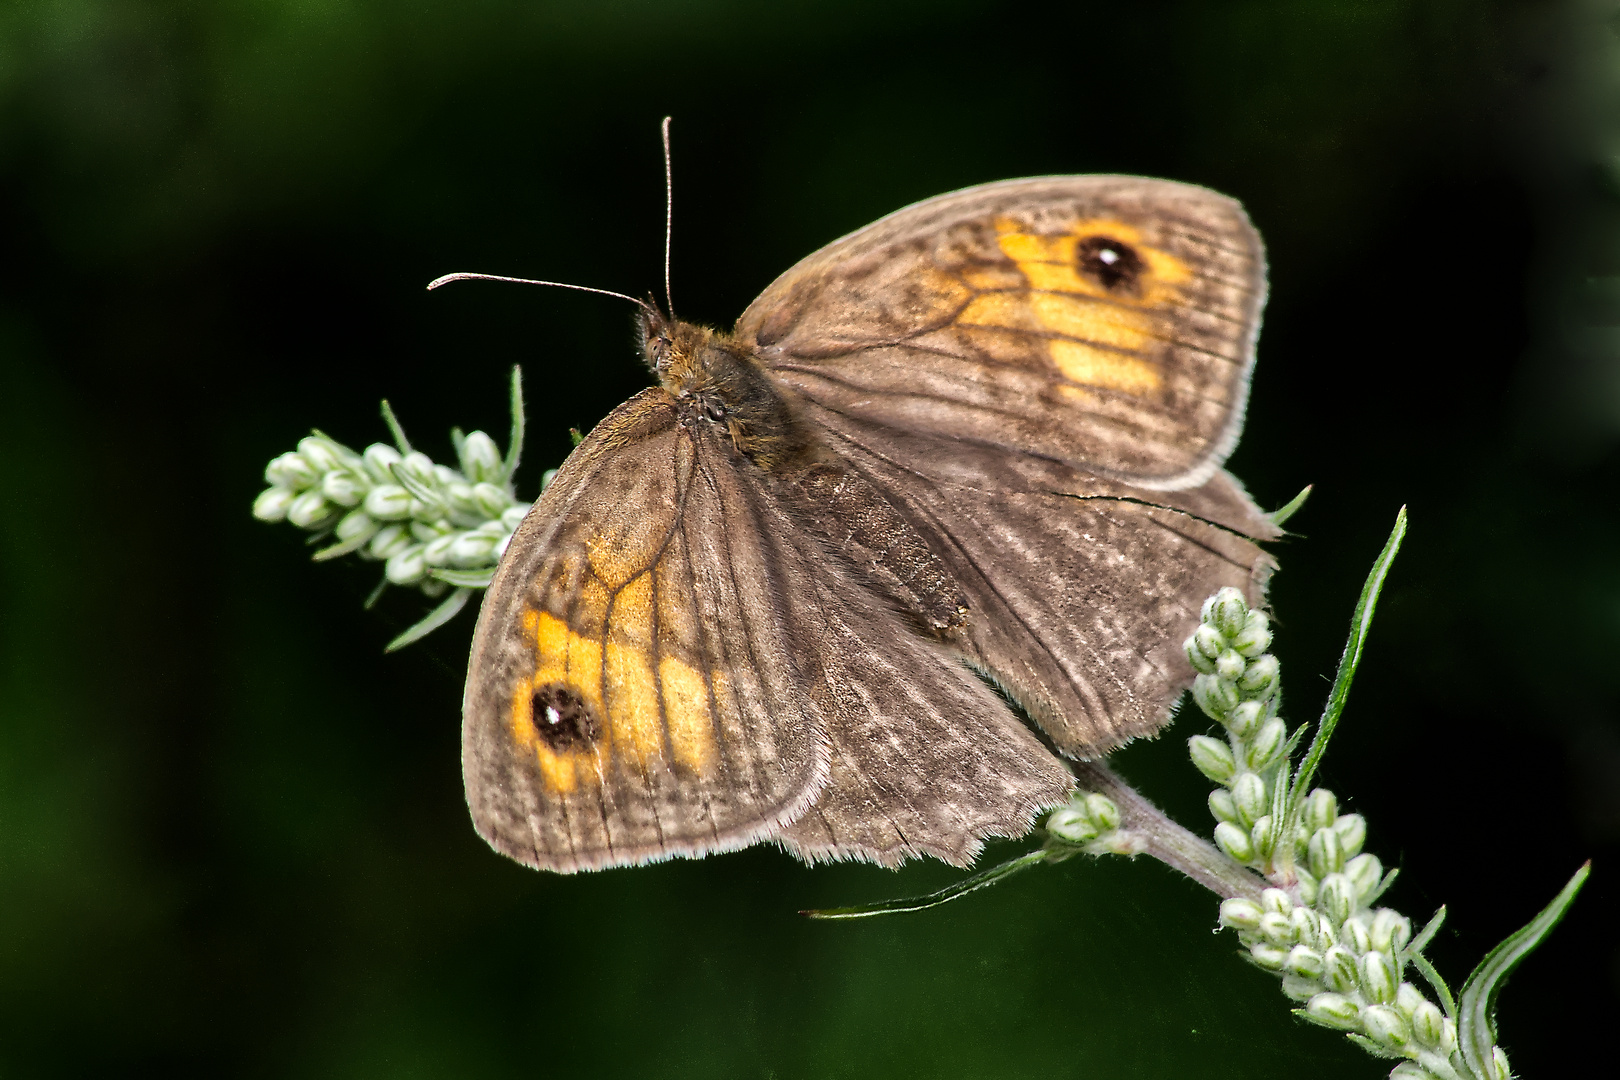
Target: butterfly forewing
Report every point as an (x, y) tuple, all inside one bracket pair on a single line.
[(1106, 322), (631, 694)]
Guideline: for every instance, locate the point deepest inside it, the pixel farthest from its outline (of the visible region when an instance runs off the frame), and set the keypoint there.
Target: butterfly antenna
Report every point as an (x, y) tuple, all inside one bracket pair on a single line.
[(642, 304), (669, 215)]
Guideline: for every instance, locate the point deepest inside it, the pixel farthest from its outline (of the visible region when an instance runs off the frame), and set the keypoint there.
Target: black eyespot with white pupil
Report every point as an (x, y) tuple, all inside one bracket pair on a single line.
[(1113, 263), (562, 718)]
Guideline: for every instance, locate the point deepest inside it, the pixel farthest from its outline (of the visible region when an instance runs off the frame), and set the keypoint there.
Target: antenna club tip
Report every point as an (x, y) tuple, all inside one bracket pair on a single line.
[(445, 280)]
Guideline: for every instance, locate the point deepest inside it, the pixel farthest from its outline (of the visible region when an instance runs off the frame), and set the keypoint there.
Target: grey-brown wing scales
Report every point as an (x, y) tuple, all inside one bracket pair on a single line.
[(1080, 590), (1105, 322), (670, 662), (631, 694)]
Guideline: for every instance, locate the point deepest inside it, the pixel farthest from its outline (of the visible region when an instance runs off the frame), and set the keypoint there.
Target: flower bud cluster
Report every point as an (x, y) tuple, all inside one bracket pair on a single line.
[(1237, 685), (1091, 822), (1343, 959), (424, 521)]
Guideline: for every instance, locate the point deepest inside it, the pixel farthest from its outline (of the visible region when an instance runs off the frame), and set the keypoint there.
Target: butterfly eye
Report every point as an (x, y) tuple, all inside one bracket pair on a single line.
[(1112, 262), (562, 719)]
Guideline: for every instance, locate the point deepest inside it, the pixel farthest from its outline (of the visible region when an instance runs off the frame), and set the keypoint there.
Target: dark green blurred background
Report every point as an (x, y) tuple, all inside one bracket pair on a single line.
[(232, 835)]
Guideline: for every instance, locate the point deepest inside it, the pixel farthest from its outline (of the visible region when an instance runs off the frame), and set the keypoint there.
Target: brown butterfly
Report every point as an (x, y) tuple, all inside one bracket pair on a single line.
[(970, 454)]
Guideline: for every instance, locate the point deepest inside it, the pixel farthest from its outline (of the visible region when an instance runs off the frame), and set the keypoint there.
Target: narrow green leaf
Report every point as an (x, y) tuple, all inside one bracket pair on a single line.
[(514, 443), (1288, 510), (1382, 887), (1360, 624), (436, 618), (1427, 970), (354, 544), (400, 441), (1476, 1010), (933, 899), (465, 579), (375, 594), (1426, 935)]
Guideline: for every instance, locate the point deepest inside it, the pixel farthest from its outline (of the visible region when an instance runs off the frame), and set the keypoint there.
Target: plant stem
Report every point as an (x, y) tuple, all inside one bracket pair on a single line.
[(1176, 847)]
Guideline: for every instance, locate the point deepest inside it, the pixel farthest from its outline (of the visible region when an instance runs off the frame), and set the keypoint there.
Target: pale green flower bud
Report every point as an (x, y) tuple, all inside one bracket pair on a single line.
[(388, 502), (1229, 665), (1353, 934), (546, 478), (1276, 900), (1500, 1063), (355, 524), (1214, 695), (480, 457), (1307, 928), (444, 476), (458, 496), (1073, 824), (1390, 931), (1432, 1029), (1239, 913), (418, 466), (1269, 957), (1234, 841), (1407, 1070), (1321, 810), (343, 488), (501, 546), (1298, 987), (1340, 971), (1304, 962), (1336, 898), (1220, 800), (1213, 757), (380, 460), (1408, 998), (1102, 810), (513, 516), (1366, 871), (1386, 1027), (1334, 1011), (322, 455), (406, 567), (1226, 611), (436, 552), (1250, 797), (1260, 677), (390, 541), (1262, 836), (429, 531), (272, 503), (291, 471), (1255, 637), (1277, 929), (1326, 857), (1208, 641), (1195, 656), (1308, 885), (1378, 977), (309, 510), (1245, 719), (428, 510), (1352, 830), (492, 501), (1265, 749), (473, 549)]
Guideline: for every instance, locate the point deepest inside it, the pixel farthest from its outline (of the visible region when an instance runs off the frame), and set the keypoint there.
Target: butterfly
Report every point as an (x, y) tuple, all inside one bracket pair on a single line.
[(962, 464)]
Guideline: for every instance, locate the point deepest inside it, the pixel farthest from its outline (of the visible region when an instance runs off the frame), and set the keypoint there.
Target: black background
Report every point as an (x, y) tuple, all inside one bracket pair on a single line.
[(232, 835)]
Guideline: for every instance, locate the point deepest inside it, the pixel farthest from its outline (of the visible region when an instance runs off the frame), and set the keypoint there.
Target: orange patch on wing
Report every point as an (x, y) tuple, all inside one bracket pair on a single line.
[(686, 708), (1091, 366), (1103, 339), (632, 687), (560, 656)]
